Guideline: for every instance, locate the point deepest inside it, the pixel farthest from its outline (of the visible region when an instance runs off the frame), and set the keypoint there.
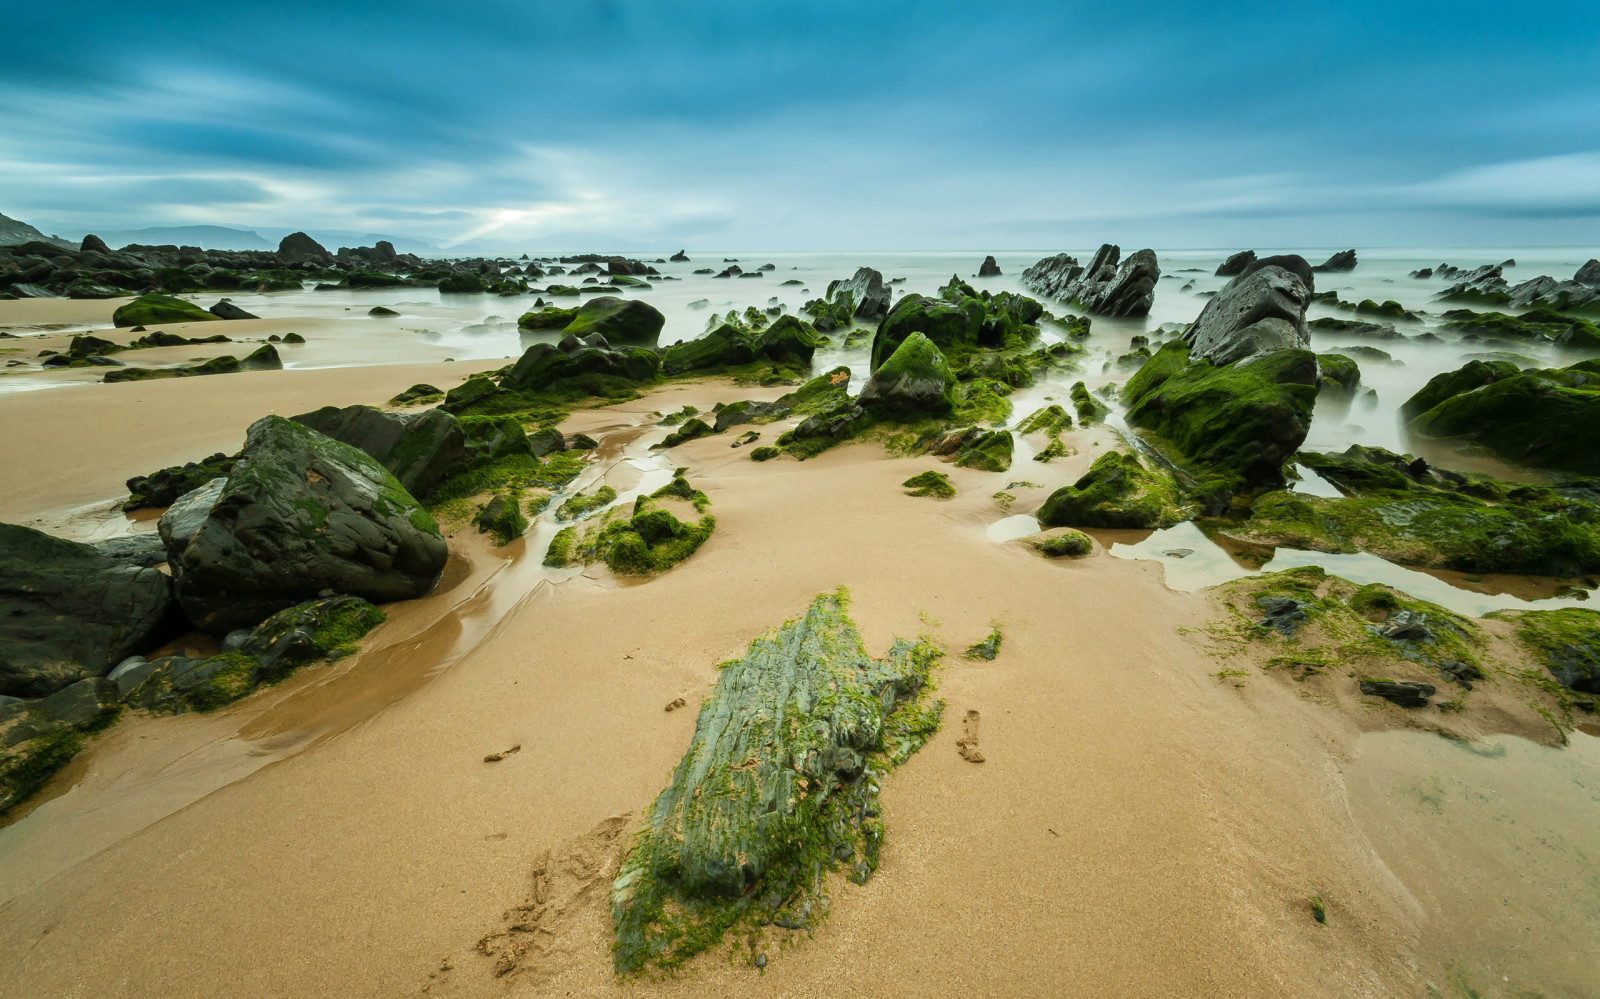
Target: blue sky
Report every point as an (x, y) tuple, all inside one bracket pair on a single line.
[(790, 125)]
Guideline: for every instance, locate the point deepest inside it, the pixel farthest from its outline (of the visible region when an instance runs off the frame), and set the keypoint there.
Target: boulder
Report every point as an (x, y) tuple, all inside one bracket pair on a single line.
[(788, 340), (544, 364), (300, 514), (1107, 287), (419, 449), (1118, 491), (1589, 274), (1261, 310), (95, 243), (154, 310), (725, 345), (162, 487), (1344, 260), (916, 378), (227, 310), (382, 312), (298, 248), (950, 326), (988, 268), (68, 611), (1537, 417), (680, 257), (263, 358), (620, 321), (144, 549), (868, 294), (1235, 265)]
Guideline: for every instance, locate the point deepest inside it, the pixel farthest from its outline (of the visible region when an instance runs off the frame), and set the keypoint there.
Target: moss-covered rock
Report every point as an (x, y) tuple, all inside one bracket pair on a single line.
[(915, 379), (1234, 425), (935, 484), (1537, 417), (1067, 544), (949, 326), (163, 487), (1050, 421), (154, 310), (619, 320), (692, 429), (1117, 491), (419, 449), (580, 505), (1089, 409), (550, 317), (1534, 325), (502, 519), (1337, 374), (765, 453), (1567, 641), (725, 346), (990, 452), (779, 786)]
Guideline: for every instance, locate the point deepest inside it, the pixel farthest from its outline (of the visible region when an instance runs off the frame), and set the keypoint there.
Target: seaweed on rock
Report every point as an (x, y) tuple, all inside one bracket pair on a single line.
[(779, 786)]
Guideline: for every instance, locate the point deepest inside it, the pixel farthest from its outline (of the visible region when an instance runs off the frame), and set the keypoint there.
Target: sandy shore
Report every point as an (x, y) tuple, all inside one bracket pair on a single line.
[(1138, 827)]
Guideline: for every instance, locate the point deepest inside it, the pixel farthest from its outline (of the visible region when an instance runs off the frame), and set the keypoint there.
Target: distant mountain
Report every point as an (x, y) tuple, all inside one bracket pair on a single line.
[(13, 232), (207, 237)]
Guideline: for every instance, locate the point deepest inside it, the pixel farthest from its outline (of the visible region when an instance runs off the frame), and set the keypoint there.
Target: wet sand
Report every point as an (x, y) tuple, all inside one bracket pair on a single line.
[(1137, 827)]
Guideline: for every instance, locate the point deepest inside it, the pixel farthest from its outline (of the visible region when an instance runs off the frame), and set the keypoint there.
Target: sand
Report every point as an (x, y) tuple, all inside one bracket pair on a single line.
[(1136, 826)]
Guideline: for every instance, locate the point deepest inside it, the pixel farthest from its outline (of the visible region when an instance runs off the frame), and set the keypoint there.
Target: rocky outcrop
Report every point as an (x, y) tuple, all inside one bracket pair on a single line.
[(68, 611), (418, 449), (227, 310), (1536, 417), (1261, 310), (1235, 265), (301, 514), (543, 365), (988, 268), (916, 378), (1105, 287), (620, 321), (1588, 275), (778, 786), (869, 296), (298, 248), (1344, 260), (952, 326), (680, 257)]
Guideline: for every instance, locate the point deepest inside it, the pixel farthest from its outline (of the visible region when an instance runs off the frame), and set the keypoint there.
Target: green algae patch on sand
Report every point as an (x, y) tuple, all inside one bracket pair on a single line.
[(935, 484), (649, 542), (991, 452), (580, 505), (779, 787), (1067, 544), (1567, 641), (1118, 491), (155, 310)]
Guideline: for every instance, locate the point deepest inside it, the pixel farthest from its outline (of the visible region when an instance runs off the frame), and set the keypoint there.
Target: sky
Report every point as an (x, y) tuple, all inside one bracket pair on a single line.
[(811, 126)]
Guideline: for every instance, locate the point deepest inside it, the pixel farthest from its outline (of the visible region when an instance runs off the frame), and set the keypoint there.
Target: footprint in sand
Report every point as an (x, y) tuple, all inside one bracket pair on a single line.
[(968, 743)]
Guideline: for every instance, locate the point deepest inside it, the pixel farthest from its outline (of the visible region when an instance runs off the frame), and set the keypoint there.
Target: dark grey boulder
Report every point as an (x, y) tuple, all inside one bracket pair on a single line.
[(419, 449), (1282, 614), (80, 703), (144, 550), (68, 612), (1235, 265), (1261, 310), (1588, 274), (297, 247), (988, 268), (1108, 286), (300, 515), (1344, 260), (227, 310), (382, 312), (868, 293), (95, 243)]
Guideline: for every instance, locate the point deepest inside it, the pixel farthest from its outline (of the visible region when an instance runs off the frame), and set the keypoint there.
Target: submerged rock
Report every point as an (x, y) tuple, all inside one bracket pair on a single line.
[(779, 785), (299, 514), (69, 611), (1105, 287)]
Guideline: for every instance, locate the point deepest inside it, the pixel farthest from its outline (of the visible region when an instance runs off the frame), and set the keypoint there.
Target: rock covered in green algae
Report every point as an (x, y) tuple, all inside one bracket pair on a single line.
[(916, 378), (1050, 421), (619, 320), (1539, 417), (69, 612), (650, 541), (299, 514), (692, 429), (1089, 409), (779, 786), (787, 341), (950, 326), (264, 358), (163, 487), (502, 519), (1567, 640), (1235, 425), (1534, 325), (1117, 491), (153, 310), (1337, 374), (935, 484), (989, 452), (419, 449), (1067, 544), (550, 317)]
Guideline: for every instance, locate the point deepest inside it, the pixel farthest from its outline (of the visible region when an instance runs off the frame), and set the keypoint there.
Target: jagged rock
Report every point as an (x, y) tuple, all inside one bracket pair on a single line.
[(1406, 693), (297, 248), (1104, 287), (299, 514), (1344, 260), (988, 268), (382, 312), (915, 378), (227, 310), (1589, 274), (1261, 310), (163, 487), (1235, 265), (95, 243), (779, 785), (680, 257), (1284, 615), (868, 294), (419, 449), (67, 611)]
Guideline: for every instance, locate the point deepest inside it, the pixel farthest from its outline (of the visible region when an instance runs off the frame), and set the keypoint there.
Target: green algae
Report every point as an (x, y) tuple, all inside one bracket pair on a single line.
[(935, 484)]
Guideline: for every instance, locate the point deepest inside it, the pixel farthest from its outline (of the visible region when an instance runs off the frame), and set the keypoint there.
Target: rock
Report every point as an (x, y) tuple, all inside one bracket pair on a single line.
[(80, 703), (298, 248), (1406, 693), (1527, 416), (746, 411), (95, 243), (1233, 425), (1344, 260), (1284, 615), (1568, 642), (988, 268), (543, 364), (869, 296), (788, 340), (153, 310), (1104, 287), (418, 394), (779, 785), (263, 358), (382, 312), (1067, 544), (1261, 310), (144, 550), (419, 449), (546, 440), (680, 257), (1406, 626), (951, 327), (989, 451), (914, 379), (163, 487), (1118, 492), (299, 514), (68, 611), (581, 442), (1588, 275), (1235, 265), (726, 345), (227, 310), (624, 321), (1422, 273), (503, 519)]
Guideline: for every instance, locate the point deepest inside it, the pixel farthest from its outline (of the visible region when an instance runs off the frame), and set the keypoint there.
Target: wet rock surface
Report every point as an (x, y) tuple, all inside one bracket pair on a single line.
[(1108, 286)]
